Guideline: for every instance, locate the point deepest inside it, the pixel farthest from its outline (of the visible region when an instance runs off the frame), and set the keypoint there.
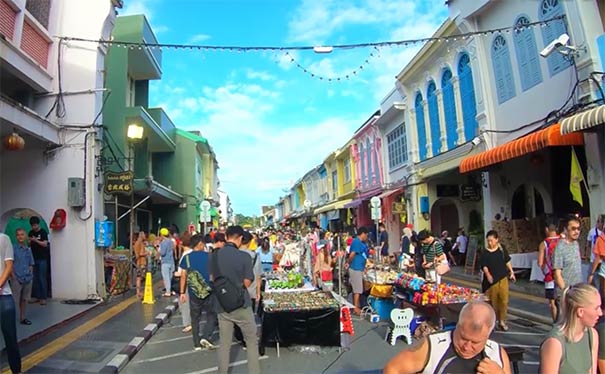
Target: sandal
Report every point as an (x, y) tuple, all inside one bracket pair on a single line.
[(166, 295), (503, 326), (187, 329)]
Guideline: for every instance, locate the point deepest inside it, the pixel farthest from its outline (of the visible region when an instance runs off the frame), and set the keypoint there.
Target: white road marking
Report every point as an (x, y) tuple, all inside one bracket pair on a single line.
[(520, 333), (178, 354), (530, 362), (520, 345), (233, 364), (170, 340)]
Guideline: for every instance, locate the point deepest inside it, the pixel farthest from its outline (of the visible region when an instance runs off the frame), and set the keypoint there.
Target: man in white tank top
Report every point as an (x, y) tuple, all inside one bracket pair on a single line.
[(467, 349)]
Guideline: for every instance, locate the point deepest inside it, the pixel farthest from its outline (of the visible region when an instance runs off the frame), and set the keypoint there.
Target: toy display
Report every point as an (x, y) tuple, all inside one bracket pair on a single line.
[(299, 301), (419, 292), (381, 276)]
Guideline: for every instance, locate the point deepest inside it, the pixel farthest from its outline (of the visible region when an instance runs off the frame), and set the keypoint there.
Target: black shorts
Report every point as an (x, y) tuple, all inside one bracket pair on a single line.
[(550, 293)]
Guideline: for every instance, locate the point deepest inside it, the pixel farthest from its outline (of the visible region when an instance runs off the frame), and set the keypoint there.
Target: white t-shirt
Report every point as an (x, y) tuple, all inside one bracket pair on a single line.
[(6, 253), (461, 243)]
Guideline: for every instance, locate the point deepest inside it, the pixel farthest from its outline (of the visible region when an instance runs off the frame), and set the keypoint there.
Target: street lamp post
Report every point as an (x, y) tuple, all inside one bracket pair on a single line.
[(134, 134)]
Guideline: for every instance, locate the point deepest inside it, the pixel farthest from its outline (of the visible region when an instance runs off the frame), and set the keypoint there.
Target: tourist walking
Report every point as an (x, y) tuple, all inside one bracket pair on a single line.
[(22, 275), (571, 346), (567, 262), (460, 246), (7, 305), (184, 303), (140, 252), (195, 289), (232, 273), (545, 255), (497, 270), (432, 256), (167, 249)]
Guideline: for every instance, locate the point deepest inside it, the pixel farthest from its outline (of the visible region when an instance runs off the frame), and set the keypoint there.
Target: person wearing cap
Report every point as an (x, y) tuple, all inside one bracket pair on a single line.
[(167, 249)]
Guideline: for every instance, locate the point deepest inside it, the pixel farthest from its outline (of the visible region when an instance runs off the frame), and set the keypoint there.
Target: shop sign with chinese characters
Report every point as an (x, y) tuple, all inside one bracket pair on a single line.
[(119, 183)]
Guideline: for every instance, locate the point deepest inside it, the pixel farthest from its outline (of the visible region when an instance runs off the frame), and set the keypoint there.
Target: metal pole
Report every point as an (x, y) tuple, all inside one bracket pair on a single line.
[(378, 254), (131, 235), (117, 238), (342, 255)]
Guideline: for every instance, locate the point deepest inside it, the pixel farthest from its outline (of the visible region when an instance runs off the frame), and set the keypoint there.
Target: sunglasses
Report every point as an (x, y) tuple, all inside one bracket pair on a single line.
[(574, 228)]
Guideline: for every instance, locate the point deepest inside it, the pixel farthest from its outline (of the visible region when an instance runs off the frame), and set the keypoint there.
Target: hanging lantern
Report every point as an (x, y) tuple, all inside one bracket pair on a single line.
[(14, 142)]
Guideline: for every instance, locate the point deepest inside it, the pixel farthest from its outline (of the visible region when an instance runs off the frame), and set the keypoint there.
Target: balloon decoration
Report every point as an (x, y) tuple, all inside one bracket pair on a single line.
[(14, 142)]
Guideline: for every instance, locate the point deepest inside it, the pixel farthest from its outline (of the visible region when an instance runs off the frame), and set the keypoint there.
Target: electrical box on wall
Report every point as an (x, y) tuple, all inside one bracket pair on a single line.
[(75, 193)]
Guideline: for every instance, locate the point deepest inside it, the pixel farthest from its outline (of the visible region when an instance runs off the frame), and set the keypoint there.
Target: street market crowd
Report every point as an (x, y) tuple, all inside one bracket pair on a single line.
[(226, 273)]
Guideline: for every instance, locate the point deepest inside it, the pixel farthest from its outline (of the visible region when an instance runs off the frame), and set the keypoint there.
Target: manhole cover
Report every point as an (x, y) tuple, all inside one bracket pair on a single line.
[(81, 354)]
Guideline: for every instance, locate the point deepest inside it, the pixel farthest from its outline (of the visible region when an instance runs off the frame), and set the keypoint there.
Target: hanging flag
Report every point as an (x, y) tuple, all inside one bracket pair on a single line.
[(575, 178)]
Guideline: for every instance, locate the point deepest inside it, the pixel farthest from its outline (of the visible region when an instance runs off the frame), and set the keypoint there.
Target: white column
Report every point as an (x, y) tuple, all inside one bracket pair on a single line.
[(413, 137), (459, 113), (427, 129), (441, 109)]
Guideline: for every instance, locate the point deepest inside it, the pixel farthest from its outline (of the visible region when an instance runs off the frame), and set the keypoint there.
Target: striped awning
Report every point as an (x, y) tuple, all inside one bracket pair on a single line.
[(583, 120), (548, 137)]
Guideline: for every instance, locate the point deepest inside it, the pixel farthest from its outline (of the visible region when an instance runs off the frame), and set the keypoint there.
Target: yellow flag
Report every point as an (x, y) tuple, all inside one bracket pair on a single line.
[(575, 178)]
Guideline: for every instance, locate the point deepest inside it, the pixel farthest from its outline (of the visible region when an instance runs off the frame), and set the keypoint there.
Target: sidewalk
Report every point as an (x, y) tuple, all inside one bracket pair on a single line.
[(46, 317), (526, 298)]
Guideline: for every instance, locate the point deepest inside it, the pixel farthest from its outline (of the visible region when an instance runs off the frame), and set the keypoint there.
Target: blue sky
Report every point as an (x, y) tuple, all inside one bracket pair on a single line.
[(268, 121)]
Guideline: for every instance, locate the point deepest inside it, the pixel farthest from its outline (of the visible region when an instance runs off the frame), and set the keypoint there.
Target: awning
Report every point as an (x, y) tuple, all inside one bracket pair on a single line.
[(388, 193), (548, 137), (584, 120), (353, 204), (333, 206), (159, 193)]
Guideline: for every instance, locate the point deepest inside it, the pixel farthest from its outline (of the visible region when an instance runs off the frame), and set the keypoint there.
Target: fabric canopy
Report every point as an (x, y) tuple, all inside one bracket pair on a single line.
[(353, 204), (583, 120), (548, 137), (332, 206)]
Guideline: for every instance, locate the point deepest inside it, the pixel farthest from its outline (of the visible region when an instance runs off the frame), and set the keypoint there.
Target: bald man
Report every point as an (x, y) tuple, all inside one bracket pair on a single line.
[(466, 349)]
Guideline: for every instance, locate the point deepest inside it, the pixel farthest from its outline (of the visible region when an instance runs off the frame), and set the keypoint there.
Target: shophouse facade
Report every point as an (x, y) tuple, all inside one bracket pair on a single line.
[(525, 172), (59, 121)]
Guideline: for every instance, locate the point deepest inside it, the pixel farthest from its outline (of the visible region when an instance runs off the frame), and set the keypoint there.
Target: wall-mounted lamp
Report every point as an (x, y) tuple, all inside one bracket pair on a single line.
[(135, 132)]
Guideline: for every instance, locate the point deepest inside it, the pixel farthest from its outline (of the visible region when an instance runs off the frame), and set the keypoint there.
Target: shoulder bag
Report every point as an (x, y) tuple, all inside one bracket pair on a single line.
[(229, 295)]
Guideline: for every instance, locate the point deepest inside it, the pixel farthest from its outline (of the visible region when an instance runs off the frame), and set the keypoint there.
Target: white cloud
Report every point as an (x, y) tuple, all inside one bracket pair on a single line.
[(198, 38), (160, 29), (132, 7), (258, 155), (260, 75)]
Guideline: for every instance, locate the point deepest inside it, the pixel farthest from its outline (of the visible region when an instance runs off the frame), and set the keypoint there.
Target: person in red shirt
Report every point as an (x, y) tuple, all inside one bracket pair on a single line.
[(545, 252)]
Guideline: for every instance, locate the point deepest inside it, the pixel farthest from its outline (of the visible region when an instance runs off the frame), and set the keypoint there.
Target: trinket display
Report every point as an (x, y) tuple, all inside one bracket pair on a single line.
[(298, 301)]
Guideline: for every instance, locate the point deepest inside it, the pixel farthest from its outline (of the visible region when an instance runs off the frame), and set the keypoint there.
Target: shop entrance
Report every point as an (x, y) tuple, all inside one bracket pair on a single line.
[(527, 203), (444, 216)]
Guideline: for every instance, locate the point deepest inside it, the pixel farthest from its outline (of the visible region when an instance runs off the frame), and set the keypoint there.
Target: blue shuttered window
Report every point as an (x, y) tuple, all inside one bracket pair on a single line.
[(527, 54), (467, 97), (431, 97), (420, 127), (449, 108), (397, 147), (503, 71), (549, 9)]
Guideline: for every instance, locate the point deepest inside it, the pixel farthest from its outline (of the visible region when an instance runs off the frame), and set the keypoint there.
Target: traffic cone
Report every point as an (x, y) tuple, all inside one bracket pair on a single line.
[(148, 296)]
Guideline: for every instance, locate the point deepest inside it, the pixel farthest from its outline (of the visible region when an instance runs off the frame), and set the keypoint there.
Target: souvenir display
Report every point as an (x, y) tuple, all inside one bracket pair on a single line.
[(283, 280), (298, 301), (381, 275), (419, 292)]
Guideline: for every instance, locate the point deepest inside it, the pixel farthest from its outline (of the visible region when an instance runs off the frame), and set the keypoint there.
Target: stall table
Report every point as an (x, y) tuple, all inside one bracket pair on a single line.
[(284, 326)]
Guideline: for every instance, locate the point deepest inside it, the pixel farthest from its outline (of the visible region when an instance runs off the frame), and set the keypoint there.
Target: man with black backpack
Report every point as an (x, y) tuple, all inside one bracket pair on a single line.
[(232, 273), (196, 278)]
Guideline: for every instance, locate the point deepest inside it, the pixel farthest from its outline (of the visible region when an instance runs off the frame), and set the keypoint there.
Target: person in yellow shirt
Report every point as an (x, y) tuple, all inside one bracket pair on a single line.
[(253, 246)]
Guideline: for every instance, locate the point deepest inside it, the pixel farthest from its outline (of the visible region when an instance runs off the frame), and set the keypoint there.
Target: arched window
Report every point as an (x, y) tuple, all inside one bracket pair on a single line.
[(431, 97), (467, 97), (554, 29), (362, 164), (503, 71), (420, 126), (449, 108), (369, 163), (527, 54)]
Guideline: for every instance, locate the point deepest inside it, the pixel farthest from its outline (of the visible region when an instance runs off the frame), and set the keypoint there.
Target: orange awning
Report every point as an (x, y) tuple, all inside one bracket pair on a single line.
[(548, 137)]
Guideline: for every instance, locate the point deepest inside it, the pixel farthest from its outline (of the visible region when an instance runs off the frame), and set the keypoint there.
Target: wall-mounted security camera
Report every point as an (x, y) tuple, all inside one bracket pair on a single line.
[(560, 45)]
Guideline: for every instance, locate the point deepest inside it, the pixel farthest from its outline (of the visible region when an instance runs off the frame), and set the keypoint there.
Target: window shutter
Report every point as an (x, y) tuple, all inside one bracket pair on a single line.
[(434, 119), (503, 71), (549, 9), (527, 54), (467, 96), (420, 127), (449, 108)]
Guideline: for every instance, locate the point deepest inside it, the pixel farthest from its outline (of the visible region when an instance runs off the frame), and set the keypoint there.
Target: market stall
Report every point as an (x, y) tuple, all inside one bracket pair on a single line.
[(300, 318), (282, 281), (378, 283), (440, 304)]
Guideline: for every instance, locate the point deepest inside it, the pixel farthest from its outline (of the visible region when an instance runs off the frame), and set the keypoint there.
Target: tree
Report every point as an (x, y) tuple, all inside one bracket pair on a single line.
[(242, 220)]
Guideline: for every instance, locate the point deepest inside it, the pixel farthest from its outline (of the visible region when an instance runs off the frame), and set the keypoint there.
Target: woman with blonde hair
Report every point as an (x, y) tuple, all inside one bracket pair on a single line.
[(571, 346)]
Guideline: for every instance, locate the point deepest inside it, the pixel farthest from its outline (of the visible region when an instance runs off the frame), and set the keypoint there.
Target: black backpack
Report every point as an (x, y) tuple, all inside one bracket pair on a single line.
[(229, 295)]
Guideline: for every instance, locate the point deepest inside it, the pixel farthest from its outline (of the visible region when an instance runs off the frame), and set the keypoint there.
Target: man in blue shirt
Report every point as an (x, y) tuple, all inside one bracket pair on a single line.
[(195, 277), (23, 274), (357, 262)]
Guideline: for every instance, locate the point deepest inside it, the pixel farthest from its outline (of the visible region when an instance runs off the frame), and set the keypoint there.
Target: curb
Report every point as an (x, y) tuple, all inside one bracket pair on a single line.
[(134, 346)]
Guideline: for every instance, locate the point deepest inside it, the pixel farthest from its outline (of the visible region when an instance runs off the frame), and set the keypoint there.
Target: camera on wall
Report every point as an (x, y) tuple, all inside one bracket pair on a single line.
[(560, 45)]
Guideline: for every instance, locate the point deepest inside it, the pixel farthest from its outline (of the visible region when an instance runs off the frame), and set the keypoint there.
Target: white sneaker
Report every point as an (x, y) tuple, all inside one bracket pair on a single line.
[(197, 348), (207, 345)]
